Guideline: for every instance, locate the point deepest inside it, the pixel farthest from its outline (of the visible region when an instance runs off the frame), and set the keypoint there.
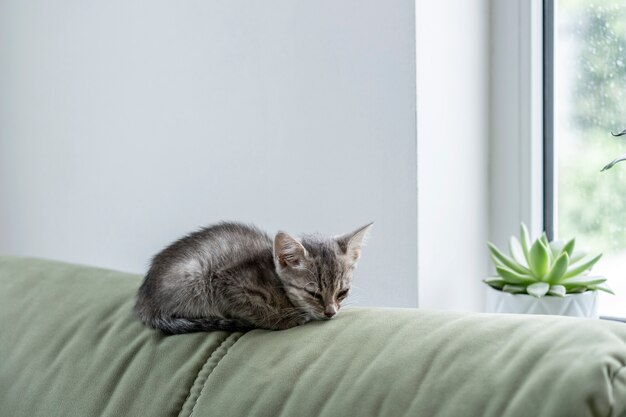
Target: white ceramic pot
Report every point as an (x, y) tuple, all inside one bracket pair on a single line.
[(576, 305)]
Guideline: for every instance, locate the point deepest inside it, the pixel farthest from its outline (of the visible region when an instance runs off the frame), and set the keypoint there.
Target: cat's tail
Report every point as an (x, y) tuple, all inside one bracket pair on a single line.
[(179, 325)]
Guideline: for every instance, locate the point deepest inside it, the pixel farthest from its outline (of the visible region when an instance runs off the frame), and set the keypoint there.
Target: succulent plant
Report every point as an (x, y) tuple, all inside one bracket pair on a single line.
[(543, 268)]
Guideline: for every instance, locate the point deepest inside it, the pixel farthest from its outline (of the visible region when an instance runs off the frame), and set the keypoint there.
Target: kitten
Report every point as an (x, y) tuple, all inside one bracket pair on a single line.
[(232, 276)]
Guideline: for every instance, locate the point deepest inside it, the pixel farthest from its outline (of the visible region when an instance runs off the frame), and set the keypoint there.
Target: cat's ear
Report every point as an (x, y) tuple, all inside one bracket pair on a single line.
[(288, 251), (351, 243)]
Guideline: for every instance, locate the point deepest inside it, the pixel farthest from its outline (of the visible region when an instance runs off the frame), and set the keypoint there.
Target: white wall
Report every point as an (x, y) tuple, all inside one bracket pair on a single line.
[(453, 152), (124, 124)]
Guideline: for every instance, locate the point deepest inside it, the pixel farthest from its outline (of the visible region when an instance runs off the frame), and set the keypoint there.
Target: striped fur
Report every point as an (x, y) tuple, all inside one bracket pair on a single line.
[(232, 276)]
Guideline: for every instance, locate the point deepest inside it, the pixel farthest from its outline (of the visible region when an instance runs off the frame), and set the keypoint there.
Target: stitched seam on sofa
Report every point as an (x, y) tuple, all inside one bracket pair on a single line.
[(195, 383), (613, 378), (199, 383)]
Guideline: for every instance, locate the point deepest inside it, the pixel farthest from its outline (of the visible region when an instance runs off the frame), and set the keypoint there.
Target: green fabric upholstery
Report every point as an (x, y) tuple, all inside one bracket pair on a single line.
[(70, 346)]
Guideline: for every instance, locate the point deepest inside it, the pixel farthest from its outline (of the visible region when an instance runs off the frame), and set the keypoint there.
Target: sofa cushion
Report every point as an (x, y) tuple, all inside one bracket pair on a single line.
[(401, 362), (71, 346)]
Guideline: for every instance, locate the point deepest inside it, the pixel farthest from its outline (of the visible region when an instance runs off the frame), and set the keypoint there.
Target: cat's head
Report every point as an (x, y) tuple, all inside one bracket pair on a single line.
[(316, 271)]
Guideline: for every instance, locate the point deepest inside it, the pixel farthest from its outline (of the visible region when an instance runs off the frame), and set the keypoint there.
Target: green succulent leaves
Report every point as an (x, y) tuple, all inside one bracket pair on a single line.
[(557, 290), (539, 259), (543, 268), (513, 277), (569, 247), (538, 289), (501, 258), (525, 240), (558, 269), (580, 268)]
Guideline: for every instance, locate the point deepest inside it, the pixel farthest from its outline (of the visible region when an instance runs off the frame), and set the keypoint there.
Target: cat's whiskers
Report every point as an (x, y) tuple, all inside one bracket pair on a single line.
[(355, 287)]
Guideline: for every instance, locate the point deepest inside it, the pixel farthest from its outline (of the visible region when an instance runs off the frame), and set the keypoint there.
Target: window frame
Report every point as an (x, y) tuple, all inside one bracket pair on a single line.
[(517, 119), (549, 154)]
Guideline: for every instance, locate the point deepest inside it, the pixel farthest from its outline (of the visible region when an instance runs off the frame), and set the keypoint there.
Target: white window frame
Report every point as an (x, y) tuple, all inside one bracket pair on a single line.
[(517, 124), (479, 140)]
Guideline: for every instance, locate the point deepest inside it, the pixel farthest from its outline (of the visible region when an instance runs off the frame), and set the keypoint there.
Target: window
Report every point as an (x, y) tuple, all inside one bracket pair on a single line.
[(590, 102)]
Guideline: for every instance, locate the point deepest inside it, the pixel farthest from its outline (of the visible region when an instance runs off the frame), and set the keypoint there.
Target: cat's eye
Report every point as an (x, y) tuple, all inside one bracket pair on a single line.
[(315, 294), (342, 294)]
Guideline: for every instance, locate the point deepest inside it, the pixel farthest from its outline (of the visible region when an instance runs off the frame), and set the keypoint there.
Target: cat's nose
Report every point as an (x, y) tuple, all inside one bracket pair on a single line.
[(330, 310)]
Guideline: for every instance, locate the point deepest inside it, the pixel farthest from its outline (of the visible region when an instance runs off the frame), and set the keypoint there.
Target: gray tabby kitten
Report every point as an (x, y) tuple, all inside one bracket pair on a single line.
[(232, 276)]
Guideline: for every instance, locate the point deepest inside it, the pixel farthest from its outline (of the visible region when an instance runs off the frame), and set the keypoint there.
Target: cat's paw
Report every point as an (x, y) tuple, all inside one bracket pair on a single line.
[(303, 320), (288, 324)]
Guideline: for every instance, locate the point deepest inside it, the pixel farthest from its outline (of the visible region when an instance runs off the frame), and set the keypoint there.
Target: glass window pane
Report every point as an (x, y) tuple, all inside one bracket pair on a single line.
[(590, 102)]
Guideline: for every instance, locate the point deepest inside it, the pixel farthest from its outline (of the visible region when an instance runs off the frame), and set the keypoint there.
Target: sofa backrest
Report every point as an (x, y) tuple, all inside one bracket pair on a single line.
[(71, 346)]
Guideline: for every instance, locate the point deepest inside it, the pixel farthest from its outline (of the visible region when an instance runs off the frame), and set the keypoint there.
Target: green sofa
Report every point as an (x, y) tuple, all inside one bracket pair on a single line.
[(71, 346)]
